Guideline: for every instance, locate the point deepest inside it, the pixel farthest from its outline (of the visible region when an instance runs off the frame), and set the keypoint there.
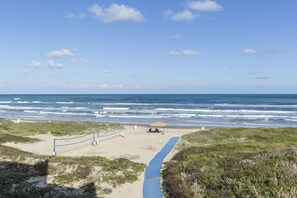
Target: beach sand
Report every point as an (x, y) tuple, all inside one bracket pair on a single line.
[(137, 145)]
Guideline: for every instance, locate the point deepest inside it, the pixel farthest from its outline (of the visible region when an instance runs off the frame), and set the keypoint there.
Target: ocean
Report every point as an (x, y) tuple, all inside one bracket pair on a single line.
[(176, 110)]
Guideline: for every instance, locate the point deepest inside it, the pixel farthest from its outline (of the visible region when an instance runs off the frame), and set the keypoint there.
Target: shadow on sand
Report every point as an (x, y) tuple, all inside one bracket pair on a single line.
[(26, 180)]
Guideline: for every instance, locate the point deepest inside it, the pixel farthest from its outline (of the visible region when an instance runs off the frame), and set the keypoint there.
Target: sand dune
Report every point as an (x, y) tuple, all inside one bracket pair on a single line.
[(137, 145)]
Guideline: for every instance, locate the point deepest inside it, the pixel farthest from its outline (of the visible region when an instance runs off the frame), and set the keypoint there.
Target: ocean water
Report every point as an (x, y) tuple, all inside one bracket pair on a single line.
[(176, 110)]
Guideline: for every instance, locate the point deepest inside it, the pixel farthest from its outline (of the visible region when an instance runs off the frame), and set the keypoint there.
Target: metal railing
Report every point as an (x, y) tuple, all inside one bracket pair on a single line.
[(92, 137)]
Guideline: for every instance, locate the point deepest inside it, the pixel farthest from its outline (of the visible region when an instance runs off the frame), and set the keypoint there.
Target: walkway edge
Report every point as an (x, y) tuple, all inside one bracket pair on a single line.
[(152, 177)]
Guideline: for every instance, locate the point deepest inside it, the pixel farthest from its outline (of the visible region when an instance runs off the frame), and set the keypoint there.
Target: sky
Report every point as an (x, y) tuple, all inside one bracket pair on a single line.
[(165, 46)]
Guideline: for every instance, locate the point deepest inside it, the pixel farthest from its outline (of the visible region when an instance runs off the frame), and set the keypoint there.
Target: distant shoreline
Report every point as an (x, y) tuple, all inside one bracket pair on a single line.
[(148, 125), (124, 124)]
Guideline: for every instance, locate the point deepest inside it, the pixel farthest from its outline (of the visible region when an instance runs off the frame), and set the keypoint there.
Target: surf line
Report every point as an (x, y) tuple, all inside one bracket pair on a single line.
[(152, 177)]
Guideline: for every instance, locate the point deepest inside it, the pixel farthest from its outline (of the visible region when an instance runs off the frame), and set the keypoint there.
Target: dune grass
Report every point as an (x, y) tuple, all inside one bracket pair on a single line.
[(55, 128), (19, 166), (104, 174), (234, 163)]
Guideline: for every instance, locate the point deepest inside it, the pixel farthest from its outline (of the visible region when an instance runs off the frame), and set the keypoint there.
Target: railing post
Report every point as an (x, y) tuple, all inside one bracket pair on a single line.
[(94, 140), (97, 137), (54, 147), (122, 134)]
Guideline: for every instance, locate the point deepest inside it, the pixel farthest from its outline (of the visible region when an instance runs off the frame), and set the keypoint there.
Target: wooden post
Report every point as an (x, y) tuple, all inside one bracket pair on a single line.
[(94, 139), (54, 147)]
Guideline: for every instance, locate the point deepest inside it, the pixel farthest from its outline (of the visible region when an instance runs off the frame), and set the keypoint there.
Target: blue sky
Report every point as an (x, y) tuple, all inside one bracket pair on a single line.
[(129, 46)]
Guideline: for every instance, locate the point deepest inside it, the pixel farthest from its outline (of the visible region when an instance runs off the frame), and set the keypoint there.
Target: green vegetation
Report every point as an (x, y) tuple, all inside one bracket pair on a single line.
[(16, 139), (15, 171), (90, 173), (234, 163), (55, 128), (80, 173)]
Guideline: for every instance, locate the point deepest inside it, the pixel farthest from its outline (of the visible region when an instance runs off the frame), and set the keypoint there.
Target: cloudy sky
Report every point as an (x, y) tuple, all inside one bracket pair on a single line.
[(166, 46)]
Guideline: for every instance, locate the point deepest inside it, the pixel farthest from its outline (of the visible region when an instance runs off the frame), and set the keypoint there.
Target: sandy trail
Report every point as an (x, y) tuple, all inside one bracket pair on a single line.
[(137, 145)]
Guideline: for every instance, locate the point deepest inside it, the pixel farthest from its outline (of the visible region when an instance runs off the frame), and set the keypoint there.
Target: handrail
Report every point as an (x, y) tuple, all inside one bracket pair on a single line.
[(71, 138), (69, 144), (94, 140)]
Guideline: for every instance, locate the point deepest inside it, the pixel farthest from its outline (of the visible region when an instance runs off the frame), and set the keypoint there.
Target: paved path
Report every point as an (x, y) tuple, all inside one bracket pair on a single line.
[(152, 183)]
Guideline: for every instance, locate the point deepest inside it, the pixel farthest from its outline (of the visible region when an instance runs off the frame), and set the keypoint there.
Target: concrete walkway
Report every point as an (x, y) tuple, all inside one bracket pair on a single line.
[(152, 180)]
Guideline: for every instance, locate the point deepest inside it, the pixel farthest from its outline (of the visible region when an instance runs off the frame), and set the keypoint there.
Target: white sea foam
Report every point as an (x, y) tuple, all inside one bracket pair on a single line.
[(29, 111), (99, 116), (23, 102), (292, 120), (80, 108), (64, 102), (256, 105), (143, 104), (245, 116), (17, 98), (64, 113), (17, 107), (36, 102), (136, 116), (226, 111), (184, 115), (5, 102), (115, 108)]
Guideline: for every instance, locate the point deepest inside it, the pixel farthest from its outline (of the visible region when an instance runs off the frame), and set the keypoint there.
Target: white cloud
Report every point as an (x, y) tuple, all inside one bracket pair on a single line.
[(249, 51), (184, 53), (106, 71), (63, 53), (168, 13), (116, 12), (176, 36), (184, 15), (50, 64), (263, 52), (36, 64), (82, 15), (205, 5), (262, 78), (54, 65), (70, 15), (255, 73)]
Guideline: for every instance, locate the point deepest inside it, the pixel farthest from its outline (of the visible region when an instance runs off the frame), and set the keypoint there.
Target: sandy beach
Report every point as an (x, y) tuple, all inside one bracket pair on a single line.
[(137, 145)]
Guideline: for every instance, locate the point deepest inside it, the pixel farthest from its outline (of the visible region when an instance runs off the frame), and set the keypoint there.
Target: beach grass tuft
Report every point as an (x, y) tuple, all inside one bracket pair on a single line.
[(238, 162), (55, 128), (92, 176)]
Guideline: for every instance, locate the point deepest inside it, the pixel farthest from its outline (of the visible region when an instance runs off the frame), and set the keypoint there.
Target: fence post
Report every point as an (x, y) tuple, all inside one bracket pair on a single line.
[(54, 147), (94, 140), (122, 134), (97, 141)]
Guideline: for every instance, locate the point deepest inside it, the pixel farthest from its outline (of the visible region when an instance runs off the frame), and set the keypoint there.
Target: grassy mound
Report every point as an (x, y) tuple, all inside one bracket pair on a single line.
[(16, 139), (93, 176), (55, 128), (234, 163)]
